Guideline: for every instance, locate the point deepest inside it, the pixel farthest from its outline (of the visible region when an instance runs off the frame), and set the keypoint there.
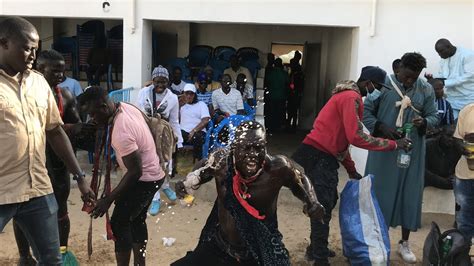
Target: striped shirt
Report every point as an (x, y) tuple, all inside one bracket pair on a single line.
[(204, 97), (445, 112)]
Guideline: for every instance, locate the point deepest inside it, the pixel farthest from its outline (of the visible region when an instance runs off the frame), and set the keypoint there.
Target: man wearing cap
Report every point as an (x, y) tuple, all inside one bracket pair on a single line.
[(337, 126), (159, 99), (202, 94)]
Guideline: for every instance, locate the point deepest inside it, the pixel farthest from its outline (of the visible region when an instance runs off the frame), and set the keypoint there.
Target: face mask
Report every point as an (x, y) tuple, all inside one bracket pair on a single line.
[(373, 95)]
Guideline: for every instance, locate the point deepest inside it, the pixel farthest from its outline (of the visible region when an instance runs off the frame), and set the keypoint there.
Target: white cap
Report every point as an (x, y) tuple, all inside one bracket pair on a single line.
[(189, 87)]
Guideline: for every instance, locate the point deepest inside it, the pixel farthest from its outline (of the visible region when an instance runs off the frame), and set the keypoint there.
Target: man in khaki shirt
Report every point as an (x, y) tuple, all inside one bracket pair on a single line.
[(464, 184), (28, 116)]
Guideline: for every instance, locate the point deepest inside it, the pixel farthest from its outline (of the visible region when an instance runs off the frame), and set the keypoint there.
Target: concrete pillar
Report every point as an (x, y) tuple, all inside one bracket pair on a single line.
[(46, 33), (137, 48)]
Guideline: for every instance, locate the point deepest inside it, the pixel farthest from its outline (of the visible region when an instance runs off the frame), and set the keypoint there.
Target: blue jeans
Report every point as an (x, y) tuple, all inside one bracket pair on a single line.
[(38, 220), (464, 193)]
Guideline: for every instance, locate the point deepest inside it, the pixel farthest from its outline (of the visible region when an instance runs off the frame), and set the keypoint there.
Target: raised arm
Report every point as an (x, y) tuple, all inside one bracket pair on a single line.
[(299, 183)]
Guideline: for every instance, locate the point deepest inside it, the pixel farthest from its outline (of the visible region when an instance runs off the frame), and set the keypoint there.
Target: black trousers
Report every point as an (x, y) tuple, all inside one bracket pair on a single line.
[(197, 141), (321, 168), (128, 219)]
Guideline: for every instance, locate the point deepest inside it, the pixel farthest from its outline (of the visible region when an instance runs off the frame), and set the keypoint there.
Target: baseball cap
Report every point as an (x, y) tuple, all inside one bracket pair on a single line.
[(189, 87), (374, 74)]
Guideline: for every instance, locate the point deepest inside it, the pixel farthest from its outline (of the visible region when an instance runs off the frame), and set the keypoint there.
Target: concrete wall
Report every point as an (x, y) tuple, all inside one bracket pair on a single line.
[(399, 25)]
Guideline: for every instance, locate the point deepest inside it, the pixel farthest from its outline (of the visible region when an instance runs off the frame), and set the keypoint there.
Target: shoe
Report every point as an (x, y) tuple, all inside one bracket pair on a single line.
[(170, 194), (405, 252), (309, 257), (155, 207)]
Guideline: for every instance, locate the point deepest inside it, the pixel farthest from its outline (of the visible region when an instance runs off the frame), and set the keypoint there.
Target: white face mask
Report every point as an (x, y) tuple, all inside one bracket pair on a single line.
[(374, 94)]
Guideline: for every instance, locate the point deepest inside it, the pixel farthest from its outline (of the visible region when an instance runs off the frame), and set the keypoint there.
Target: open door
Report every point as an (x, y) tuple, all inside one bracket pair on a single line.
[(312, 100)]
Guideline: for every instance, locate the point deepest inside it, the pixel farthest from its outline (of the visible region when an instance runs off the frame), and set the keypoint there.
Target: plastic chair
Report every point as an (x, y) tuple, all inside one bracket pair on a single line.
[(181, 63), (199, 55), (115, 45), (253, 66), (122, 95), (218, 66), (90, 34), (223, 52), (248, 53)]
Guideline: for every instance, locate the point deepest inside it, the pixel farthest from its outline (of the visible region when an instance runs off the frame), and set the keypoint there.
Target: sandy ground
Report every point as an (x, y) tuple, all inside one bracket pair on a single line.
[(185, 224)]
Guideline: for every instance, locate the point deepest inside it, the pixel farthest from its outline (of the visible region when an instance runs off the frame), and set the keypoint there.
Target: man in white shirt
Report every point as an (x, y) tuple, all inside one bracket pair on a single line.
[(177, 84), (457, 68), (226, 100)]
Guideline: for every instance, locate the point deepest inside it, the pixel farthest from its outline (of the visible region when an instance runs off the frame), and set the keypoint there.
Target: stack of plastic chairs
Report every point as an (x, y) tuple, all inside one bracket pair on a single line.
[(181, 63), (89, 34), (67, 46), (115, 44)]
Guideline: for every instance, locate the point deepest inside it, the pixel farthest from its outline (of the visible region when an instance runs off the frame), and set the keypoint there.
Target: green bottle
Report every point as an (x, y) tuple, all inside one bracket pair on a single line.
[(446, 247)]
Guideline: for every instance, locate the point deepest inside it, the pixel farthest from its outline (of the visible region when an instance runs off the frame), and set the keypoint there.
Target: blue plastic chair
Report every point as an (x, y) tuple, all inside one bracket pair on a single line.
[(181, 63), (122, 95), (223, 52), (253, 66), (248, 53), (199, 55), (218, 66)]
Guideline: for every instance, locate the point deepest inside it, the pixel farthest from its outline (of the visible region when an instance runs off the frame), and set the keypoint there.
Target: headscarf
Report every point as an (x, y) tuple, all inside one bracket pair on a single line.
[(344, 86), (159, 71)]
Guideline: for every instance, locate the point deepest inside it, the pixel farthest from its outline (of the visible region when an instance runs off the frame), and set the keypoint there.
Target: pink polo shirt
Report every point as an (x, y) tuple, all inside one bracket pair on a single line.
[(131, 133)]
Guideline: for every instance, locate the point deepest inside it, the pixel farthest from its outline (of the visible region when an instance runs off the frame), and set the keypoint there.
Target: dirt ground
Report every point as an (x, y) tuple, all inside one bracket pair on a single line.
[(185, 224)]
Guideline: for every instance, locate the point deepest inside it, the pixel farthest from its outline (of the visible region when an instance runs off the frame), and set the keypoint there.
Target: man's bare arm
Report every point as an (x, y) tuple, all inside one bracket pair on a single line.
[(300, 185)]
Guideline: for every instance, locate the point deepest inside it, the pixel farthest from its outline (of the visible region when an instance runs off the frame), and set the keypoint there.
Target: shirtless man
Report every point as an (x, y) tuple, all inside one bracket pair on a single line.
[(242, 227), (51, 65)]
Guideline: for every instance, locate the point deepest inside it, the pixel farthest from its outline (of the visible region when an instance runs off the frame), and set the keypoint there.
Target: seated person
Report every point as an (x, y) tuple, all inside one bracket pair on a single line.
[(227, 101), (442, 155), (246, 90), (202, 94), (212, 85), (194, 119), (235, 69), (177, 84), (445, 112)]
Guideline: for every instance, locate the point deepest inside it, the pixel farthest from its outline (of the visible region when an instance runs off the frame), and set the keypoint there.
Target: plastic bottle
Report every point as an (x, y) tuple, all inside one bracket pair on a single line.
[(404, 157), (446, 247)]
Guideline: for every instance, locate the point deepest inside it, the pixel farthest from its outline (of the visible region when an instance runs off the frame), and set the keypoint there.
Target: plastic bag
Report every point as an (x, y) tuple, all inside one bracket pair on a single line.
[(365, 238), (68, 257)]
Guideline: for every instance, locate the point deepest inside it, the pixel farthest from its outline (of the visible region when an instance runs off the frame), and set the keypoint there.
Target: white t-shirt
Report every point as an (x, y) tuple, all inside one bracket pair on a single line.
[(191, 115), (227, 103), (178, 88)]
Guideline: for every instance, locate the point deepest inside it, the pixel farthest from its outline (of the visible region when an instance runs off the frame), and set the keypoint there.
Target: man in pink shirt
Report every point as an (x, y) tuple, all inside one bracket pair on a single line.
[(135, 149)]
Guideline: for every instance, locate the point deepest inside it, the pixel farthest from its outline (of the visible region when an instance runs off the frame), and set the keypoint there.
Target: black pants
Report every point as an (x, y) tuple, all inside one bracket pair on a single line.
[(210, 253), (197, 141), (321, 168), (277, 114), (128, 219), (292, 110)]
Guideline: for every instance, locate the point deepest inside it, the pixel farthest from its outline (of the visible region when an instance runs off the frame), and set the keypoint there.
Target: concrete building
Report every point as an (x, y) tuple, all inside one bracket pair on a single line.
[(339, 36)]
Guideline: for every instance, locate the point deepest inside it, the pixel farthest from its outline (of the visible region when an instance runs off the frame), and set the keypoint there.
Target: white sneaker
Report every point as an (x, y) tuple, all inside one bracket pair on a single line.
[(405, 252)]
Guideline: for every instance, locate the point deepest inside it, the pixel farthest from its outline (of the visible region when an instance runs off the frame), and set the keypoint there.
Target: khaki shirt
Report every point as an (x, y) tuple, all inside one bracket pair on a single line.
[(465, 126), (26, 112)]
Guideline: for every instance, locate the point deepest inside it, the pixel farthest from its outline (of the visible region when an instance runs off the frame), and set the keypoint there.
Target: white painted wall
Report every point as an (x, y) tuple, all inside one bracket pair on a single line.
[(400, 25)]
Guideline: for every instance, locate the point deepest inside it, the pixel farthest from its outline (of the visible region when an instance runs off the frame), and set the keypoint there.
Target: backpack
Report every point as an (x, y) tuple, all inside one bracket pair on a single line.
[(164, 137), (458, 255)]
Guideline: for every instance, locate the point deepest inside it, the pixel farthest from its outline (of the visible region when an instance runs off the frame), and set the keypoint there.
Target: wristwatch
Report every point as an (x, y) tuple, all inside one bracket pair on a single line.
[(78, 176)]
